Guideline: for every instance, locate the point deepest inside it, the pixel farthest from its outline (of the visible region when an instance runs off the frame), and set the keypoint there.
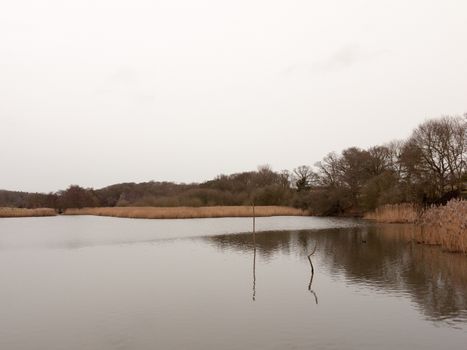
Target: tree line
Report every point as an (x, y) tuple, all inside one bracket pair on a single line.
[(427, 168)]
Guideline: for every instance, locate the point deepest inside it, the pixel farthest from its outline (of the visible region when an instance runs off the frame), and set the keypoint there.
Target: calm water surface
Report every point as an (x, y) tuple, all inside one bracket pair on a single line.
[(108, 283)]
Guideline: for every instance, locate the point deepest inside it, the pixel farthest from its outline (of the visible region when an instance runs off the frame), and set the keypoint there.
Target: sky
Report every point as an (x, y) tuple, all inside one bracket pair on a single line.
[(106, 91)]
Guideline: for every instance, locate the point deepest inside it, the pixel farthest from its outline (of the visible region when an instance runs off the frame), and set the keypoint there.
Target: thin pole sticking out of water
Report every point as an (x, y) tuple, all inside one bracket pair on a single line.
[(254, 220), (254, 253)]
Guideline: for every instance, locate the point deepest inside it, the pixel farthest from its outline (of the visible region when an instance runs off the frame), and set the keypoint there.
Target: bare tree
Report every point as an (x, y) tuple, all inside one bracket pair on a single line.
[(395, 149), (328, 170), (303, 177), (380, 160), (438, 147)]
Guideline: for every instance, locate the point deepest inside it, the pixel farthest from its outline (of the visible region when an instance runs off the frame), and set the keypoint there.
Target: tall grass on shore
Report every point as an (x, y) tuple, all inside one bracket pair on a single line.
[(395, 213), (186, 212), (445, 226), (22, 212)]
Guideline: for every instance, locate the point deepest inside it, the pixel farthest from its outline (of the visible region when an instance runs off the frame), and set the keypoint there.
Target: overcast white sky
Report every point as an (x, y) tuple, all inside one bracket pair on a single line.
[(104, 91)]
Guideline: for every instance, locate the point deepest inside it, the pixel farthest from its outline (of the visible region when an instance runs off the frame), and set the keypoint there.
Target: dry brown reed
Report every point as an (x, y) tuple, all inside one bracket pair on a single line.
[(187, 212), (22, 212), (445, 226), (395, 213)]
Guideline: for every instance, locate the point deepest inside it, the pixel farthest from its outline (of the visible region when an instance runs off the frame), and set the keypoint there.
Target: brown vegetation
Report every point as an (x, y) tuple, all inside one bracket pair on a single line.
[(445, 226), (22, 212), (427, 168), (186, 212), (395, 213)]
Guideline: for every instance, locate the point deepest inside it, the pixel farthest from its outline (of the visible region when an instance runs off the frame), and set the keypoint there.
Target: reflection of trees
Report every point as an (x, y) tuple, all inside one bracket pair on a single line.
[(387, 261), (439, 278), (267, 243)]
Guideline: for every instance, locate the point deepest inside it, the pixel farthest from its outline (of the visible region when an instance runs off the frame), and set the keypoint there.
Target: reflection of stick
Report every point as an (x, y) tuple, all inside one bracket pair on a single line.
[(311, 264), (316, 297), (313, 251), (254, 274), (312, 273)]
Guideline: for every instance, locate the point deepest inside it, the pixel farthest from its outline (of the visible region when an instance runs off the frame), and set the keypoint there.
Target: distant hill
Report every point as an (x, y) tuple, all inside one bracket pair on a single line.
[(428, 168)]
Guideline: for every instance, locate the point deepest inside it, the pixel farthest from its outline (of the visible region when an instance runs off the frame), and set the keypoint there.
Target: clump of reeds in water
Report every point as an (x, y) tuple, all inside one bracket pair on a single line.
[(186, 212), (445, 226), (23, 212), (395, 213)]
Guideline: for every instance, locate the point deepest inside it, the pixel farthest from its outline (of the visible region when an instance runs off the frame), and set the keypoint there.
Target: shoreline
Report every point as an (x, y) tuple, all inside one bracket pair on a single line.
[(26, 213), (443, 226), (187, 212)]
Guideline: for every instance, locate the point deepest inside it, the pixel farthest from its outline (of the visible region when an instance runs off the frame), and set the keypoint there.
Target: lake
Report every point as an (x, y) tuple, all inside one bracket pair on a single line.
[(83, 282)]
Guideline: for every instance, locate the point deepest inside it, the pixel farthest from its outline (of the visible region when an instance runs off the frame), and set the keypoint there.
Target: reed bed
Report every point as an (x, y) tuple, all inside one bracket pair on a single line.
[(22, 212), (395, 213), (187, 212), (445, 226)]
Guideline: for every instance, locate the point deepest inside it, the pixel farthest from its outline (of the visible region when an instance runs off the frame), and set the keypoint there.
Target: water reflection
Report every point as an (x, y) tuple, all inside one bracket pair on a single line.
[(312, 273), (124, 289), (254, 273), (378, 257), (254, 255)]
